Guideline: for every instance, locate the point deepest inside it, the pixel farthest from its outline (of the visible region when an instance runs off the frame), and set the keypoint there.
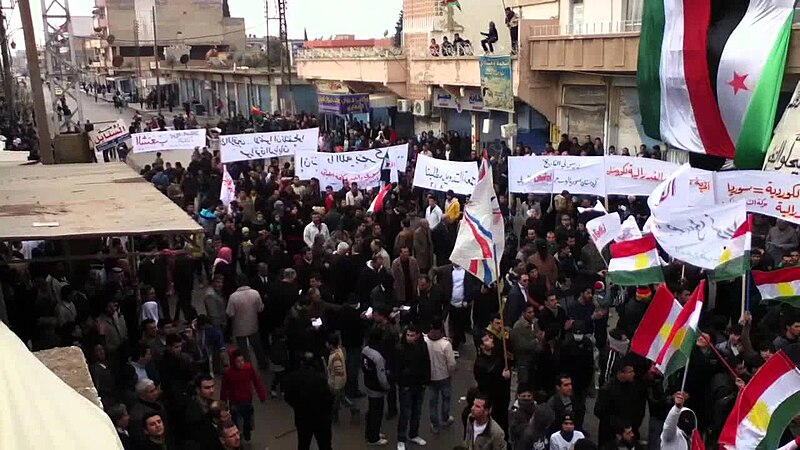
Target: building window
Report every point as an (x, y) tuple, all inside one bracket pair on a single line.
[(576, 14), (632, 15)]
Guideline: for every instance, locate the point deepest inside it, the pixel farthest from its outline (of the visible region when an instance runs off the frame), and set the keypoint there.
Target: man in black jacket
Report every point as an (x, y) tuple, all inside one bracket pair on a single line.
[(306, 391), (413, 374)]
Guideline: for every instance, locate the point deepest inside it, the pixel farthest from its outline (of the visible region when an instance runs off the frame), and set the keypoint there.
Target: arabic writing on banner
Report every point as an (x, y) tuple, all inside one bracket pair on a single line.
[(248, 146), (783, 154), (769, 193), (604, 229), (496, 83), (548, 174), (159, 141), (698, 236), (471, 101), (110, 136), (627, 175), (442, 175), (343, 103), (362, 167)]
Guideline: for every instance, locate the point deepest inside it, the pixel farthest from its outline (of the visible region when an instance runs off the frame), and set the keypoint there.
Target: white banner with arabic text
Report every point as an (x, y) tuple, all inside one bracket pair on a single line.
[(248, 146), (159, 141), (442, 175), (771, 193), (362, 167), (628, 175), (549, 174)]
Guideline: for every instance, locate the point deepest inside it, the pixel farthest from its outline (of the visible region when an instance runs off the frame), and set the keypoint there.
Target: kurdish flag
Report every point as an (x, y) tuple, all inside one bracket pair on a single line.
[(709, 83), (682, 335), (635, 262), (782, 285), (656, 325), (735, 259), (764, 407)]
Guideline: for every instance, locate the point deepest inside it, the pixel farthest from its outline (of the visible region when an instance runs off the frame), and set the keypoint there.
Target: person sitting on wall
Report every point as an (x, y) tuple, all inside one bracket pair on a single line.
[(434, 48), (447, 47)]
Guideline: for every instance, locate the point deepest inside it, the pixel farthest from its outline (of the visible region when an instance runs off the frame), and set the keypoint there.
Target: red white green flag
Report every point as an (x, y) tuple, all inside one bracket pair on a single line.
[(656, 325), (765, 407), (735, 258), (635, 262), (377, 203), (451, 3), (781, 285), (683, 334)]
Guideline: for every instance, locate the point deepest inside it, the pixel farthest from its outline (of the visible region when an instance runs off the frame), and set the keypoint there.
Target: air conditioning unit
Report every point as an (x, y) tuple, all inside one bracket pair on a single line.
[(422, 108), (403, 105), (508, 131)]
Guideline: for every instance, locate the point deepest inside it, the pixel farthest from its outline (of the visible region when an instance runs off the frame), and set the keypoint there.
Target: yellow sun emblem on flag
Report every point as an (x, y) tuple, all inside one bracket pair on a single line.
[(785, 289), (642, 261), (759, 416), (726, 256), (665, 330)]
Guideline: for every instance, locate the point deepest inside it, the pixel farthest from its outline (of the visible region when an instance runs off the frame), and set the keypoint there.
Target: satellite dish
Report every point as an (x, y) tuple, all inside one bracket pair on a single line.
[(184, 59), (98, 29), (117, 61), (111, 38)]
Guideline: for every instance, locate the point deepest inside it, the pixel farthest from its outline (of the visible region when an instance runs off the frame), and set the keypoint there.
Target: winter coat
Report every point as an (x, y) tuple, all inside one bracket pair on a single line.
[(672, 437), (492, 438), (423, 248), (413, 364), (400, 279), (238, 384), (440, 352)]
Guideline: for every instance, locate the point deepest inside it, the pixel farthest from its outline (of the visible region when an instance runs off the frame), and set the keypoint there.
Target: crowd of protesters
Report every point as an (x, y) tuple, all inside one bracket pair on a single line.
[(294, 293)]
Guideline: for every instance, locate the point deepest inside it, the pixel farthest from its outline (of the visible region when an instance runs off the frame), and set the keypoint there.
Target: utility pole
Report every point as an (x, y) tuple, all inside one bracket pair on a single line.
[(155, 53), (39, 109), (7, 86), (139, 90)]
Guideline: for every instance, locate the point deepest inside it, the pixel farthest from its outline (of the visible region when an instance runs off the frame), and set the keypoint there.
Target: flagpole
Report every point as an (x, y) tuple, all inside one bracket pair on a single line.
[(502, 310), (686, 372), (744, 292), (721, 358)]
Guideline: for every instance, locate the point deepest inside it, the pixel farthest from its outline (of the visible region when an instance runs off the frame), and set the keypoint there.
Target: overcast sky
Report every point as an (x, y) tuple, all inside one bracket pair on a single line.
[(322, 18)]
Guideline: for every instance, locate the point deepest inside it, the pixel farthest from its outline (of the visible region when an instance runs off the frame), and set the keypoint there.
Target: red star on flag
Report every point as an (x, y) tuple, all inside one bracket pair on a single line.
[(737, 83)]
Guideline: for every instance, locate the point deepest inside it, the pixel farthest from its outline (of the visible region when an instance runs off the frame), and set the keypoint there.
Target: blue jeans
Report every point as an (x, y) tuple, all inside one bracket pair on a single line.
[(244, 419), (411, 398), (440, 412)]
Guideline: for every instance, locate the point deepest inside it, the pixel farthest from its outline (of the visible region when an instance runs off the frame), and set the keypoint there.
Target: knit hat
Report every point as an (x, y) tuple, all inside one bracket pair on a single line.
[(643, 293)]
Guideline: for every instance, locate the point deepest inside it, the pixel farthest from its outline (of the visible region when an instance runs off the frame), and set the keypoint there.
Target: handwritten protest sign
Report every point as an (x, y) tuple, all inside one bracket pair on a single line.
[(604, 229), (248, 146), (627, 175), (442, 175), (363, 167), (548, 174), (783, 154), (770, 193), (159, 141), (109, 136), (698, 236)]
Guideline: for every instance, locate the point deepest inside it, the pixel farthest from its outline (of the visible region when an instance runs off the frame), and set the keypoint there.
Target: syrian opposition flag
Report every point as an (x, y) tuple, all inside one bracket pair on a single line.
[(451, 3), (711, 84), (635, 262), (377, 203), (656, 325), (682, 334), (735, 259), (782, 285), (764, 407), (480, 241)]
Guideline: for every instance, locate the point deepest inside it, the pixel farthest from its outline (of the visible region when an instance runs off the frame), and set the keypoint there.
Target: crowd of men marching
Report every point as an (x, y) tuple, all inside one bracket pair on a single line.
[(296, 293)]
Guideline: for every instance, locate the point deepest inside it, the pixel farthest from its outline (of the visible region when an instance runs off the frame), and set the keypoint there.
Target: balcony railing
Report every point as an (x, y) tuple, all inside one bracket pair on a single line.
[(349, 53), (587, 29)]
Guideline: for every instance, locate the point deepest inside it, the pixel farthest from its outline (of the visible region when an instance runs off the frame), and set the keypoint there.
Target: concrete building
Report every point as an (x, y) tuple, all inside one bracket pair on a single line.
[(196, 28), (575, 71), (241, 88)]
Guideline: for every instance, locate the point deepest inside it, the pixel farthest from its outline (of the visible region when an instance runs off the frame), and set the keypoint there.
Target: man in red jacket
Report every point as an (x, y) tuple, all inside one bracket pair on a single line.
[(237, 388)]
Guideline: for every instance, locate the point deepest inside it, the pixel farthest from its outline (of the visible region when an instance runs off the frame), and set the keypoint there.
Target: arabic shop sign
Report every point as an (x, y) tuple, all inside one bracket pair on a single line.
[(343, 103), (159, 141), (110, 136), (248, 146), (471, 101)]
